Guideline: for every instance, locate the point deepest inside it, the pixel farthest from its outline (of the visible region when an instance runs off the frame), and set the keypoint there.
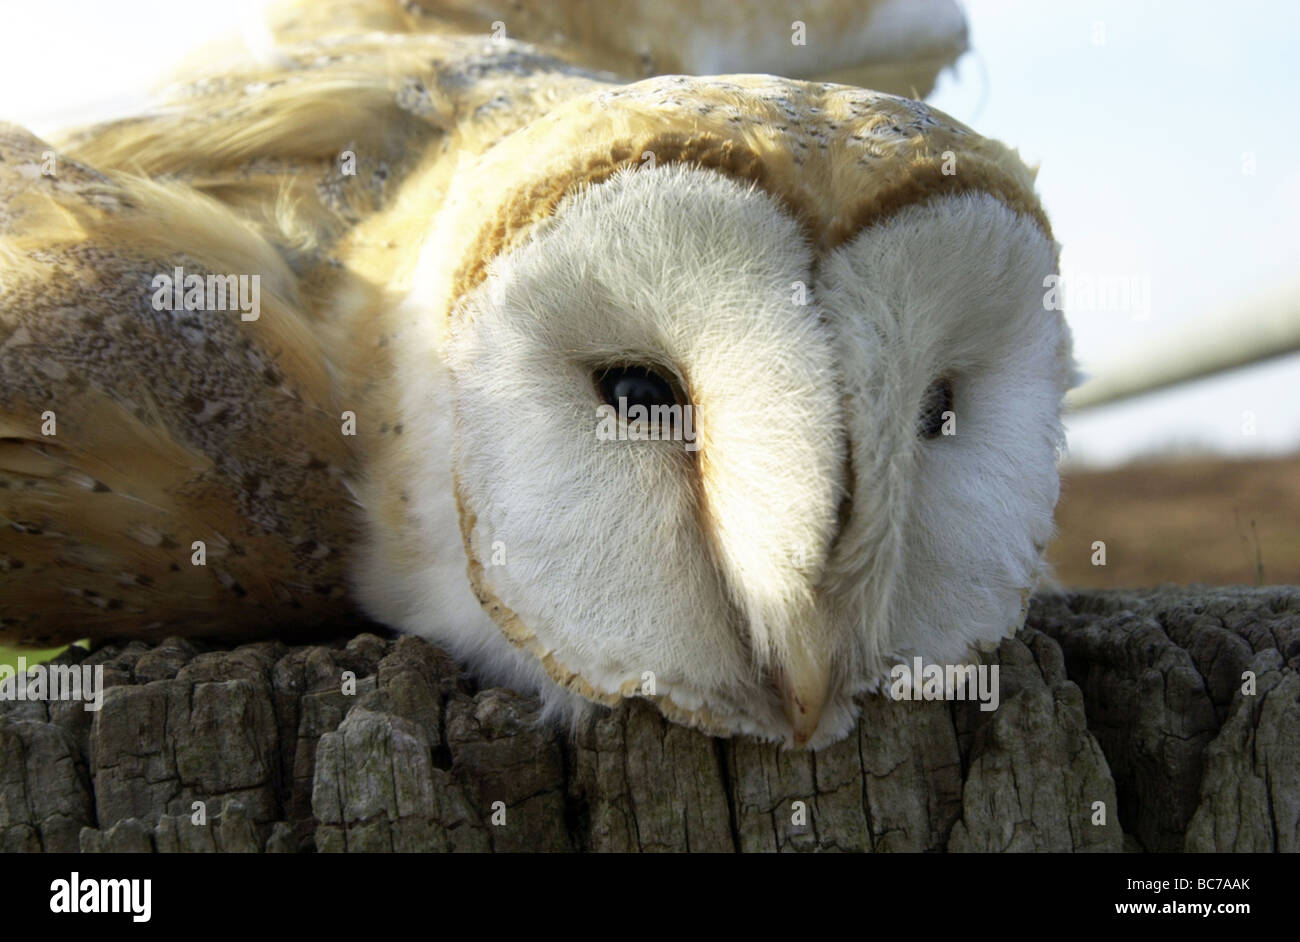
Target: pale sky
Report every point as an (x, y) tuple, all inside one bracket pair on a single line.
[(1165, 132), (1139, 113)]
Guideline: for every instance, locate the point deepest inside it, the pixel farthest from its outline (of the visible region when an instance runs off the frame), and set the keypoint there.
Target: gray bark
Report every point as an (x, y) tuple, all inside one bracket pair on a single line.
[(1130, 699)]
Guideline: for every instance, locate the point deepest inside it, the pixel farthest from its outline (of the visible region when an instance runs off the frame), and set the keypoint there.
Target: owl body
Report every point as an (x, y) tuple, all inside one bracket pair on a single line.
[(469, 249)]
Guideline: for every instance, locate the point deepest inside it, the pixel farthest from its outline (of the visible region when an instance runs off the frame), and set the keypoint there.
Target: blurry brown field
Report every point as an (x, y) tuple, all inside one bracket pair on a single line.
[(1203, 520)]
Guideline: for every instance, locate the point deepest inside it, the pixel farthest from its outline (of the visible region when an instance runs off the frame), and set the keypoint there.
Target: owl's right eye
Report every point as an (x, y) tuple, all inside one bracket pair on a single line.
[(934, 404), (639, 385)]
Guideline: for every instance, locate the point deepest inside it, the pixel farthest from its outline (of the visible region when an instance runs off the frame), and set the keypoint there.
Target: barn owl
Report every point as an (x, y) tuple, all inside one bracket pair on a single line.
[(727, 392)]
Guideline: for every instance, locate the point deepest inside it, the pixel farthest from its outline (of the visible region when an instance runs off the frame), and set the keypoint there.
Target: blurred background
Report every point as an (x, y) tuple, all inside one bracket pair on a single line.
[(1169, 157), (1170, 165)]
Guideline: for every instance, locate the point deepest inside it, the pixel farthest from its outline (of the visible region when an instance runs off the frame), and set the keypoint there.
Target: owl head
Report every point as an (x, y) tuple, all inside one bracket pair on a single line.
[(745, 390)]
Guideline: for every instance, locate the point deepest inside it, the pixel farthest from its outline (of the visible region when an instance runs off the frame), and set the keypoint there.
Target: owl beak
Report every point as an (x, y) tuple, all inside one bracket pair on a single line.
[(803, 688)]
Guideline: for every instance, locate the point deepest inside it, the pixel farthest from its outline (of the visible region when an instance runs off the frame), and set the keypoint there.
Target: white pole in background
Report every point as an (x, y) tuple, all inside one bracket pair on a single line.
[(1251, 333)]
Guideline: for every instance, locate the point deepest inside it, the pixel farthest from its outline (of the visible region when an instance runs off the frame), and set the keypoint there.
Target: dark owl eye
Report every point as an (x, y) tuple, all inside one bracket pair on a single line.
[(637, 384), (936, 401)]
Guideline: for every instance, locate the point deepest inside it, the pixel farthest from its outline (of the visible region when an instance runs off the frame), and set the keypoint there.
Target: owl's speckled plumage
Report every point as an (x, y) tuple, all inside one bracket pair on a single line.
[(175, 426)]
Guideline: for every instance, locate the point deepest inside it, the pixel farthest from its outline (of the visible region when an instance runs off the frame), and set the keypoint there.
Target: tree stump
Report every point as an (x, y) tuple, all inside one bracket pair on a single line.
[(1126, 722)]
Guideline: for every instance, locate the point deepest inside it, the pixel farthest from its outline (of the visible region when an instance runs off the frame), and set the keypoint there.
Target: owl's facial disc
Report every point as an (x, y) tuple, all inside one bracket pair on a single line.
[(743, 571)]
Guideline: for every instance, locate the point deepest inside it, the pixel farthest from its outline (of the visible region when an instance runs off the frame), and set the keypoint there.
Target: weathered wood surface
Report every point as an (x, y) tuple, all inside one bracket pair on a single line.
[(1132, 699)]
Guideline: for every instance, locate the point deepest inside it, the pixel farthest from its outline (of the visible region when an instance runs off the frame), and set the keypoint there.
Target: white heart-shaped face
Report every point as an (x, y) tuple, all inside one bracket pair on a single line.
[(810, 522)]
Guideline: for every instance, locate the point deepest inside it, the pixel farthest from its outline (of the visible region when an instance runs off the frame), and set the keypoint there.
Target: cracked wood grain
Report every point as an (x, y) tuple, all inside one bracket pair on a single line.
[(1131, 699)]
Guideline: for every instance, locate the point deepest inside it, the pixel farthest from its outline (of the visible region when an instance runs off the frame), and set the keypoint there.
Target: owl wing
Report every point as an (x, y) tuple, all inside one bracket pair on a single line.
[(162, 470), (895, 46), (175, 435)]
